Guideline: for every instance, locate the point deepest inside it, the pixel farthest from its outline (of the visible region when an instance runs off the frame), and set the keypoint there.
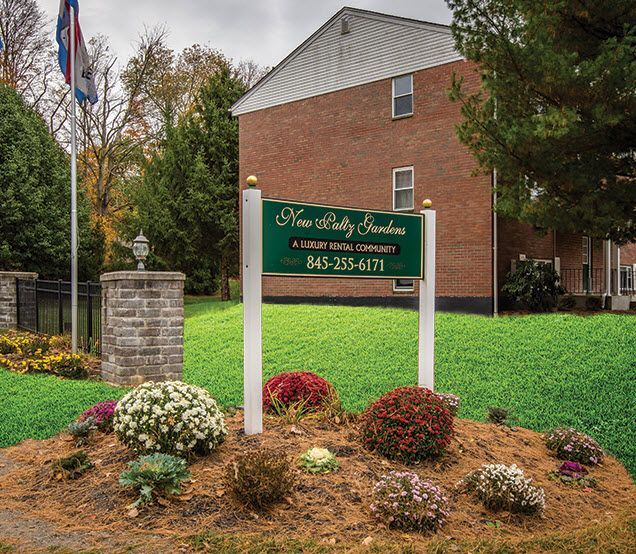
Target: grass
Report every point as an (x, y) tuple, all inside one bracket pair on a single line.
[(617, 536), (554, 369), (39, 406)]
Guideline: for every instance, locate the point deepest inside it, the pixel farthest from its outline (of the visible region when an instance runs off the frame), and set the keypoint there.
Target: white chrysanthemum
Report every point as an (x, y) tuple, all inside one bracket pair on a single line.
[(169, 417)]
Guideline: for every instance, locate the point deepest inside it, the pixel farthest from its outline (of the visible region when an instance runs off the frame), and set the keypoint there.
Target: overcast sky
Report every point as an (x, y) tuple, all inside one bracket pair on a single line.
[(263, 30)]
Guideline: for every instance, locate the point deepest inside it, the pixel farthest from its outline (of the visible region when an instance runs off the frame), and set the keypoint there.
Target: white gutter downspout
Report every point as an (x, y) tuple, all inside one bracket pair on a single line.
[(608, 272), (618, 270), (495, 280)]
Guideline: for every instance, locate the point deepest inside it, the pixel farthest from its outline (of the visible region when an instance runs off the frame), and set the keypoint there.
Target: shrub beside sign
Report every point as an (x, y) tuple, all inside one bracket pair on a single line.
[(330, 241)]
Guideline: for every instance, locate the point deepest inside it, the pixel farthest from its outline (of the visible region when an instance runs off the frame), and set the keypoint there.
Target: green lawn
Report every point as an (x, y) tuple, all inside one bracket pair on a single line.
[(39, 406), (552, 369)]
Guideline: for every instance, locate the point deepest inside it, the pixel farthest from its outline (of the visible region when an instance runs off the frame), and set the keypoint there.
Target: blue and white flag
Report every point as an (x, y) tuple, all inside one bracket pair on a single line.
[(84, 80)]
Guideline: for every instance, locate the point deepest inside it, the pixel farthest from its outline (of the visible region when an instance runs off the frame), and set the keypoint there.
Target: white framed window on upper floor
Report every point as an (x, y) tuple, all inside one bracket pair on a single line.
[(403, 189), (402, 96)]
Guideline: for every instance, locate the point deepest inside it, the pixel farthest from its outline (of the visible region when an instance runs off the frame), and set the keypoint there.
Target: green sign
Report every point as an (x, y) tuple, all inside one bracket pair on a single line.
[(329, 241)]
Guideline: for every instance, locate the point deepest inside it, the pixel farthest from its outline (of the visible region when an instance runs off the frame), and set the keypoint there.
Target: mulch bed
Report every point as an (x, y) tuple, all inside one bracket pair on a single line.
[(329, 508)]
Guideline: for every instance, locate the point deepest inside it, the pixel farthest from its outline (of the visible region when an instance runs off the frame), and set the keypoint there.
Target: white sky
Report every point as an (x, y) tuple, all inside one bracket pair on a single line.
[(263, 30)]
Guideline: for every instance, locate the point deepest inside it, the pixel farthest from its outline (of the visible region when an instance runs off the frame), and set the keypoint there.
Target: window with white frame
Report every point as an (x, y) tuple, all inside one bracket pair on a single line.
[(403, 201), (585, 250), (402, 96), (627, 278), (403, 285), (403, 189)]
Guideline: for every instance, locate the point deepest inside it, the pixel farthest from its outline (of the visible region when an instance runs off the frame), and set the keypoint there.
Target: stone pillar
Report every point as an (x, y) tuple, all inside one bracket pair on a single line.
[(9, 297), (142, 326)]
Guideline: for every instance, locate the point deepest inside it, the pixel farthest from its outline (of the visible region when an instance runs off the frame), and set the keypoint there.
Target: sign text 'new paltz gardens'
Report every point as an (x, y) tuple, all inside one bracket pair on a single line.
[(330, 241)]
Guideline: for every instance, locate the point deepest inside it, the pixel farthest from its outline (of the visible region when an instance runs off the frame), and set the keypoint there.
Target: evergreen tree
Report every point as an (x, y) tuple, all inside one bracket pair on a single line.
[(188, 203), (556, 115), (35, 198)]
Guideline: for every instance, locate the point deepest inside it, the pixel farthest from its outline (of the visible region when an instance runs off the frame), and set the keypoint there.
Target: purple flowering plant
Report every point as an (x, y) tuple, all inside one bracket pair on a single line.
[(570, 444), (573, 474), (405, 501), (572, 469), (102, 414)]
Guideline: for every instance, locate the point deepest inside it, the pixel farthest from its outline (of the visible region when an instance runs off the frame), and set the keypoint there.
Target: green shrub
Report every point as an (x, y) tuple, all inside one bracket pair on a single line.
[(536, 286), (155, 474), (170, 417), (567, 302), (593, 303), (71, 467), (260, 478), (407, 424), (499, 415), (502, 487), (319, 460)]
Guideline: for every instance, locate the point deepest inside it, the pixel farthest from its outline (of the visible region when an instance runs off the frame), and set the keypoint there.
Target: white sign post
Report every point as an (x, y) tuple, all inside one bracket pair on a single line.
[(252, 234), (426, 334), (252, 313)]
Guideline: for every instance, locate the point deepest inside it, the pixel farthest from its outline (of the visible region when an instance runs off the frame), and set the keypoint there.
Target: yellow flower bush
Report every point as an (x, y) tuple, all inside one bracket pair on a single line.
[(29, 353)]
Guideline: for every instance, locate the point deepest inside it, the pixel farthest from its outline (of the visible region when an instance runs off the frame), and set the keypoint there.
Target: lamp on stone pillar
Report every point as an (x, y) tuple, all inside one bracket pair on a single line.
[(140, 249)]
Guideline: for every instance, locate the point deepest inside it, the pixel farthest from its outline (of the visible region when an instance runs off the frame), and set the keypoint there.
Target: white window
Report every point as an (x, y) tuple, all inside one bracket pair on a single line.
[(400, 285), (403, 189), (402, 96), (586, 250), (627, 278)]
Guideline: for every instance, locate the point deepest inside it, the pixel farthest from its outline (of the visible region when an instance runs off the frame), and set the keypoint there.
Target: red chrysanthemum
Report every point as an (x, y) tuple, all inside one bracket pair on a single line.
[(407, 424), (297, 386)]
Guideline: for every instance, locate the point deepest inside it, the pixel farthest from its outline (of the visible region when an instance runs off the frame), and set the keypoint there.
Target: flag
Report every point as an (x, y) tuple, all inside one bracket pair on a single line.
[(1, 45), (84, 80)]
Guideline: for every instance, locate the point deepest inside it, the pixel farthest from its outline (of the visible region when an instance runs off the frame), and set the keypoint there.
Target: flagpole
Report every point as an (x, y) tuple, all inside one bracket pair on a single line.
[(73, 190)]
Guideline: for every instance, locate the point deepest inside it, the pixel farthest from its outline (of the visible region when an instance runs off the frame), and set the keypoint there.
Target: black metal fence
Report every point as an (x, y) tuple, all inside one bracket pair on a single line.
[(45, 307), (592, 281)]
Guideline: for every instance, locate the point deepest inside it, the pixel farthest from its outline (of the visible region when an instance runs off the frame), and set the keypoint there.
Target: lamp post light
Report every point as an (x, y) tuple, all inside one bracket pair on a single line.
[(140, 249)]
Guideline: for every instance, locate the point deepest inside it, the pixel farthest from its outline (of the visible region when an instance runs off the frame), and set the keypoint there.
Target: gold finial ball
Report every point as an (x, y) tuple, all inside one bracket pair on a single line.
[(427, 203), (252, 180)]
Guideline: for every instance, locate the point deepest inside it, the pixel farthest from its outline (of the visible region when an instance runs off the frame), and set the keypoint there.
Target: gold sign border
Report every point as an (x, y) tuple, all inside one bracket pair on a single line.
[(330, 276)]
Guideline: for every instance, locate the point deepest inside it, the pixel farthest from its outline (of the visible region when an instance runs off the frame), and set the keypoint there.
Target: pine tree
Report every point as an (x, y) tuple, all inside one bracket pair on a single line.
[(556, 115), (188, 204), (35, 198)]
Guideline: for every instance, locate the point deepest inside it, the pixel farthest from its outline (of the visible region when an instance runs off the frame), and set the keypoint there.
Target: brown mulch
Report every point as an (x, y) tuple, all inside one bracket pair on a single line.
[(330, 508)]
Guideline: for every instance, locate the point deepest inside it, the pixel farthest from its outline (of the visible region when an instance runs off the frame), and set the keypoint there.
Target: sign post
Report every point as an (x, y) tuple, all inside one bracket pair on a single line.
[(426, 342), (283, 237), (252, 312)]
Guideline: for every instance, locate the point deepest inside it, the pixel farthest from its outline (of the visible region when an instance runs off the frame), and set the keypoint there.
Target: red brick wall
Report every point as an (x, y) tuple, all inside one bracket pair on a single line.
[(628, 254), (516, 238), (340, 148)]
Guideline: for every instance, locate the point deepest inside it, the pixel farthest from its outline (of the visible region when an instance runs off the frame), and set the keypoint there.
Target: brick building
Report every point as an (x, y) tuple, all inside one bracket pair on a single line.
[(358, 115)]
